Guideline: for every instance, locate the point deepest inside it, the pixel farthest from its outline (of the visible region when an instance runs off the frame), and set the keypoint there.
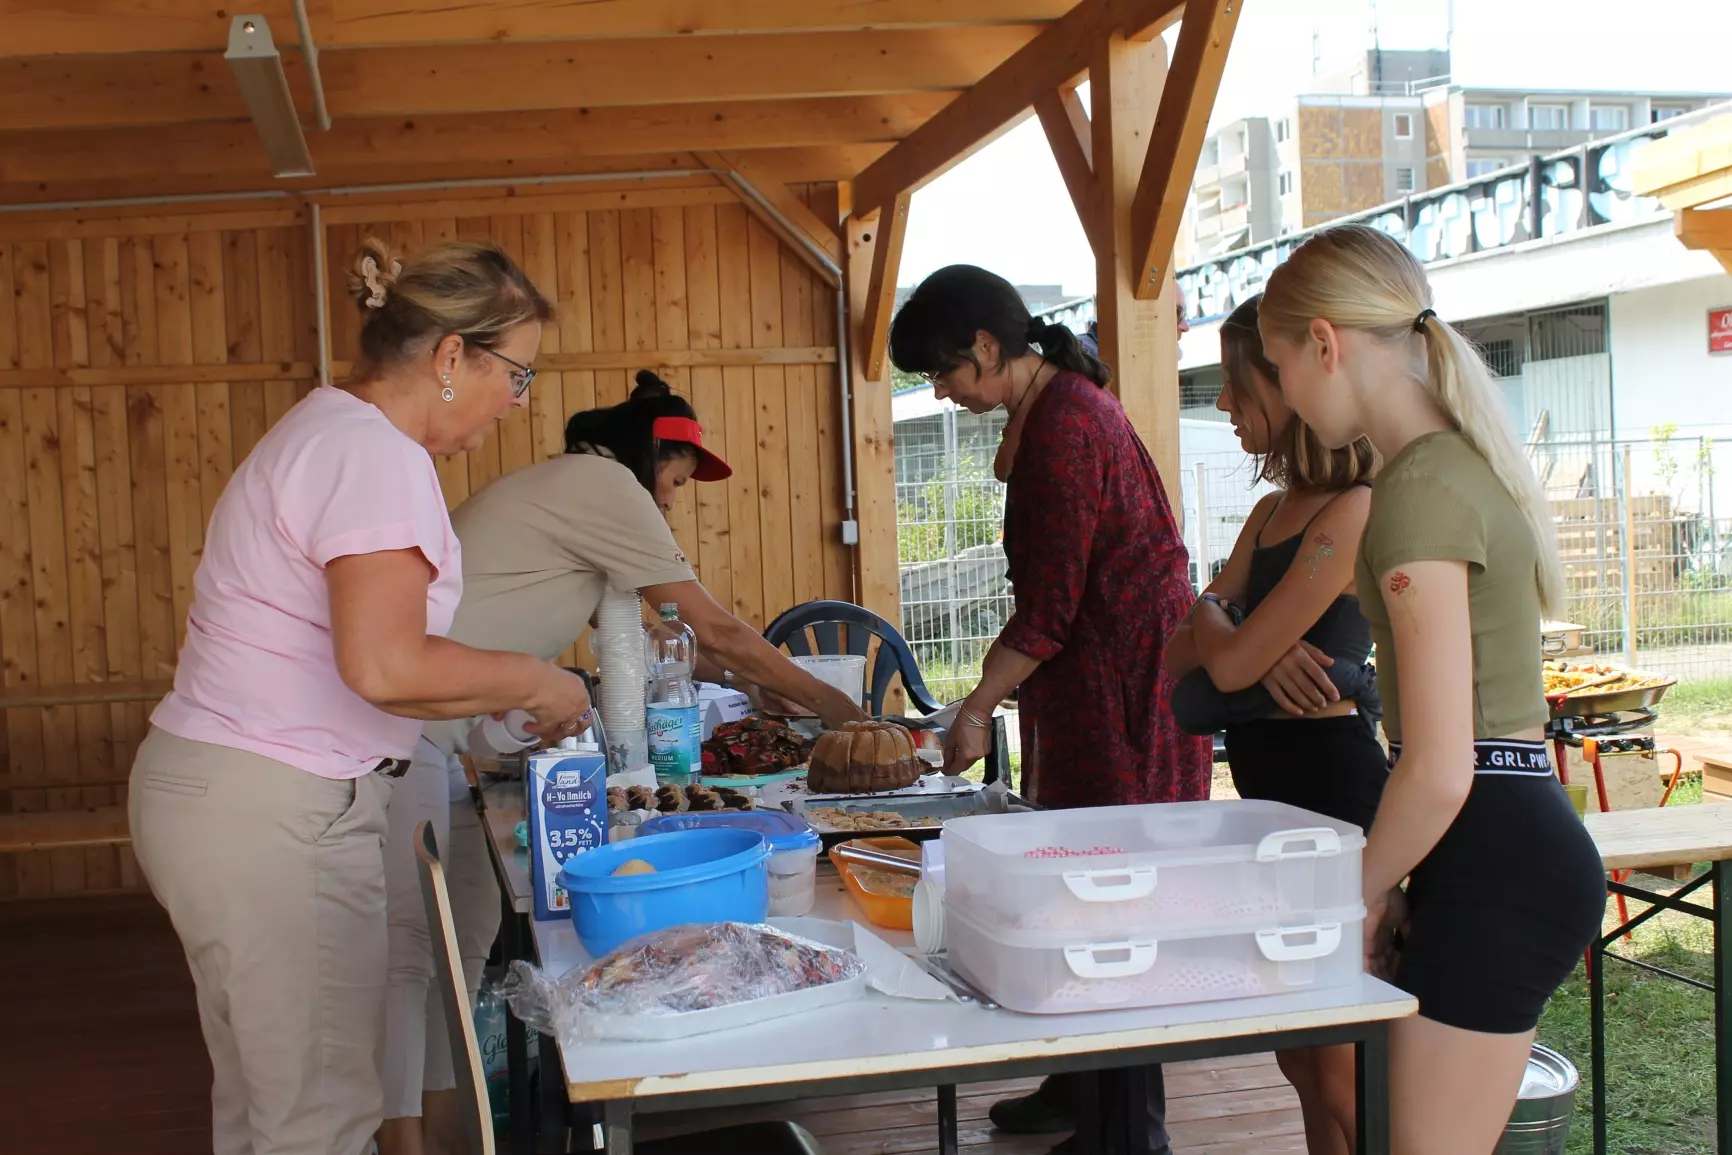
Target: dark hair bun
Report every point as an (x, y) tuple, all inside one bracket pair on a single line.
[(649, 385)]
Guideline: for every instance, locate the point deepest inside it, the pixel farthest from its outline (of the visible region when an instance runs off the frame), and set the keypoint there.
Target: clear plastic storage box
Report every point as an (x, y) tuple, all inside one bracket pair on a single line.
[(1045, 973), (1110, 874)]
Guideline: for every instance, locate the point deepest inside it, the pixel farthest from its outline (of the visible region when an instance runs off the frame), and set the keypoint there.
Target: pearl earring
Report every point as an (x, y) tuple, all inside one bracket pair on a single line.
[(447, 393)]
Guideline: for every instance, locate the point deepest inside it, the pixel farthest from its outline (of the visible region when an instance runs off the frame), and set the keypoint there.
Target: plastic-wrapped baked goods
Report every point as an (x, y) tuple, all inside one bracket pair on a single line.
[(684, 980), (863, 758)]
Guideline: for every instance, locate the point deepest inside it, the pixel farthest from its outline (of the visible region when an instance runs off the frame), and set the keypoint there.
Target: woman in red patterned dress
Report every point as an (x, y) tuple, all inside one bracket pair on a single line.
[(1097, 567)]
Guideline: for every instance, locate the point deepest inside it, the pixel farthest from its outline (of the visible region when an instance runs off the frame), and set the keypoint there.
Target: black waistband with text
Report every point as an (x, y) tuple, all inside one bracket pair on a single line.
[(1522, 759)]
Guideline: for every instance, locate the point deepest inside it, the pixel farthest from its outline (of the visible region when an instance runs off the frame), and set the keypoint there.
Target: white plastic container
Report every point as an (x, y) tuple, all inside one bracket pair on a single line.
[(1109, 873), (794, 846), (660, 1028), (846, 672), (1049, 974)]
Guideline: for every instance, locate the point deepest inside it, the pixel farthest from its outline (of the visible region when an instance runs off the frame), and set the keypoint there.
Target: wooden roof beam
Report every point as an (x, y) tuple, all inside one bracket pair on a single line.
[(1003, 97), (1709, 230), (786, 165), (512, 143), (1176, 144), (103, 27), (891, 228), (1690, 167), (1068, 133), (76, 92), (785, 214)]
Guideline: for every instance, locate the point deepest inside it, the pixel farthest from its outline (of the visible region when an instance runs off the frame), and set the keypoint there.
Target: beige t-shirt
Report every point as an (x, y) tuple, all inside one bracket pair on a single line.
[(540, 546)]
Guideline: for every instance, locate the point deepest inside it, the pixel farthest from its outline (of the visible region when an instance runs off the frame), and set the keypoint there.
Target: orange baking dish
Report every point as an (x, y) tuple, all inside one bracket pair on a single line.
[(888, 910)]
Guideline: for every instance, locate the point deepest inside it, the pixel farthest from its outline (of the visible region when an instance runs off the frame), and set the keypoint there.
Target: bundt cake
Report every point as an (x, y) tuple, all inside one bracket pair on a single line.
[(863, 758)]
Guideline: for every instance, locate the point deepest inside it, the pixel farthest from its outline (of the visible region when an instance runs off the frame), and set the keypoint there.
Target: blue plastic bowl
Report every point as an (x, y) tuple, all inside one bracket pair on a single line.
[(701, 876)]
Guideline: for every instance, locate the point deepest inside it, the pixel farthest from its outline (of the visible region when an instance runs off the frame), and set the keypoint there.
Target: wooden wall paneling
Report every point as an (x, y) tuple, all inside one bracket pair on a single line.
[(484, 463), (546, 395), (673, 331), (206, 286), (607, 303), (276, 315), (515, 432), (712, 559), (575, 307), (806, 499), (342, 242), (303, 303), (823, 199), (94, 754), (745, 534), (48, 532), (116, 565), (179, 420), (148, 467), (241, 330), (33, 873), (769, 385)]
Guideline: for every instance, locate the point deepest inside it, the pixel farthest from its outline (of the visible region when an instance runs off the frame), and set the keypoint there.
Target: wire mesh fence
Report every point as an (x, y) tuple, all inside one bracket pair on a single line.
[(1644, 533)]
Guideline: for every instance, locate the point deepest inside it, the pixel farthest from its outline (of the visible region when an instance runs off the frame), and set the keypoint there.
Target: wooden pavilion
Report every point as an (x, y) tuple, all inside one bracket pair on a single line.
[(717, 189)]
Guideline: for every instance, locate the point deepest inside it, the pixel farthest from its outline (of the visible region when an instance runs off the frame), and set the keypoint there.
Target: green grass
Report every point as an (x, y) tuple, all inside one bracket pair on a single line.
[(1659, 1034), (1697, 706)]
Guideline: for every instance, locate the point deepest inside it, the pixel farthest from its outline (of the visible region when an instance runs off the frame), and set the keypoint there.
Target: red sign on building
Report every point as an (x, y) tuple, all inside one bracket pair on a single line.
[(1720, 330)]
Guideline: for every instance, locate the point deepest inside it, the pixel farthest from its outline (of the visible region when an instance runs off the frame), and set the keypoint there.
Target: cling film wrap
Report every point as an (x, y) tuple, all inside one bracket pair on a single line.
[(677, 971)]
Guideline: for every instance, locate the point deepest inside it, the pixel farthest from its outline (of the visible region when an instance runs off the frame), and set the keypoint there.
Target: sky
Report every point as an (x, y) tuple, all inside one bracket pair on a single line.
[(1006, 207)]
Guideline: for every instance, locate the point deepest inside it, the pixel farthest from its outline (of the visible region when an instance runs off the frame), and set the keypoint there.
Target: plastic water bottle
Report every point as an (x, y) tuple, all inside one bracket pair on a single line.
[(672, 717)]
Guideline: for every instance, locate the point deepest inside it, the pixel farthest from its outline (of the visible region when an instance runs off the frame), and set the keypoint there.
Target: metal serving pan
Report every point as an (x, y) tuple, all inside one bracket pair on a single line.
[(1593, 701), (926, 814)]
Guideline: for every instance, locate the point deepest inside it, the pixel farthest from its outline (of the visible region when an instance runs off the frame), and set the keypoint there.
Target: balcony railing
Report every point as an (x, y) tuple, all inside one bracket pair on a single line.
[(1565, 192)]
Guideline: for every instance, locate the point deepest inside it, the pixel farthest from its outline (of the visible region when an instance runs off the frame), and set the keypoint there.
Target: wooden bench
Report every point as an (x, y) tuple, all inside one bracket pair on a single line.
[(64, 829), (69, 829), (81, 694), (1717, 774)]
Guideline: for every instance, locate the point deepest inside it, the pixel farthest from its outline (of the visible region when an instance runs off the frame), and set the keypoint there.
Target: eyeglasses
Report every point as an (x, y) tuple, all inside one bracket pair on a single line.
[(521, 375)]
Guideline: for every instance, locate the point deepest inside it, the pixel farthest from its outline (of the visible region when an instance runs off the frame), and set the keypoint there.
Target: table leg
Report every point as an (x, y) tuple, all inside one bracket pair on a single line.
[(1371, 1075), (1722, 1006), (616, 1123), (947, 1143), (1597, 1038), (517, 1040), (553, 1136)]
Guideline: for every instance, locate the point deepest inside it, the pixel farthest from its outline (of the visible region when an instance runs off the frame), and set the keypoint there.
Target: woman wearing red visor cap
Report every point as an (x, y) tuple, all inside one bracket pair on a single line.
[(540, 546)]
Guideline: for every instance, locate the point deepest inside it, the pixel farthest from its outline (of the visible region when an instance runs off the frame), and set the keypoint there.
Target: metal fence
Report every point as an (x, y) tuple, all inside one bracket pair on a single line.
[(1644, 532)]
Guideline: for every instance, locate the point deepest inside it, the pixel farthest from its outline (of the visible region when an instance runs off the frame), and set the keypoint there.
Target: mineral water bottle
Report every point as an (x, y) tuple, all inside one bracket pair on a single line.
[(672, 718)]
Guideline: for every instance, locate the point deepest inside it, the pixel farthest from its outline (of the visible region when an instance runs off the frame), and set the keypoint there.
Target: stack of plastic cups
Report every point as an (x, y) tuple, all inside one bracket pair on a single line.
[(619, 647)]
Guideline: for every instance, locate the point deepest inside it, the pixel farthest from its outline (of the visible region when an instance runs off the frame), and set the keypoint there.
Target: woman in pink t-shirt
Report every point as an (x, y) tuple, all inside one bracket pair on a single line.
[(314, 652)]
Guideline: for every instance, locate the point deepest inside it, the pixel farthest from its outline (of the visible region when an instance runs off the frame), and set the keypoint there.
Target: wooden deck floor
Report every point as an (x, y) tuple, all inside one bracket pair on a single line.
[(103, 1055)]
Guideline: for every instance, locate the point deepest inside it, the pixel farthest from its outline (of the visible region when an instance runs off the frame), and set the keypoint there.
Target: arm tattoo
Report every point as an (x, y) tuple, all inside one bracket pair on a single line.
[(1322, 546)]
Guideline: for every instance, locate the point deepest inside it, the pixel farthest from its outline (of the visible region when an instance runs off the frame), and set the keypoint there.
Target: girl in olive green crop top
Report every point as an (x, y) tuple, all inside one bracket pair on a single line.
[(1455, 567)]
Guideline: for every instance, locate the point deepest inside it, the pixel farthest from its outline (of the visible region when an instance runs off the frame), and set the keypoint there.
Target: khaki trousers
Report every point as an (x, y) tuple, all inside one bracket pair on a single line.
[(274, 879)]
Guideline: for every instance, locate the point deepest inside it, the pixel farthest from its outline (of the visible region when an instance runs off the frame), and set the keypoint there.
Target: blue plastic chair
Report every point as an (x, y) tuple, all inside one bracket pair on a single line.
[(845, 628)]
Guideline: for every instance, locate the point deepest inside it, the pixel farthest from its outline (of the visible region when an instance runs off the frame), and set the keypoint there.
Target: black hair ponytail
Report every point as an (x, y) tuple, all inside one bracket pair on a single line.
[(626, 432), (935, 329)]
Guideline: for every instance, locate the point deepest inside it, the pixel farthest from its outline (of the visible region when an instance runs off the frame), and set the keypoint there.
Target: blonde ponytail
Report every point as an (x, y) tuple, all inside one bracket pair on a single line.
[(1355, 277)]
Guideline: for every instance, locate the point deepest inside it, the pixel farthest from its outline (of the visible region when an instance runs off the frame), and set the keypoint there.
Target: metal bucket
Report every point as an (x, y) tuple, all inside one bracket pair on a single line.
[(1540, 1123)]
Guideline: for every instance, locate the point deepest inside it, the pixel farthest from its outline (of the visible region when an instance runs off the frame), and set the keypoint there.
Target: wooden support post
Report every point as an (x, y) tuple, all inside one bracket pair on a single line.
[(1138, 338), (871, 277)]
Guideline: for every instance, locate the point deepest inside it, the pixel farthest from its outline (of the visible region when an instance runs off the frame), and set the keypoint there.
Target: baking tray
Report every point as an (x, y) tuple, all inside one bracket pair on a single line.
[(1593, 702), (925, 813)]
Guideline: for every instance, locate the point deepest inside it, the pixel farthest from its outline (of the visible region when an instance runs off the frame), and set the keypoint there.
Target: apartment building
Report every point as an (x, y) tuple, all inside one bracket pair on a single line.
[(1385, 127)]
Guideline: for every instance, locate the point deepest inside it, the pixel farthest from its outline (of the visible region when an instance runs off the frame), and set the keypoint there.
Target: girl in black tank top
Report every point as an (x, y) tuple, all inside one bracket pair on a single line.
[(1275, 655)]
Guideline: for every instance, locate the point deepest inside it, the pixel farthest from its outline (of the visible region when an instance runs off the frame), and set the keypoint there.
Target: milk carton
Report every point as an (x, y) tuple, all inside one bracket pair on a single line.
[(567, 808)]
